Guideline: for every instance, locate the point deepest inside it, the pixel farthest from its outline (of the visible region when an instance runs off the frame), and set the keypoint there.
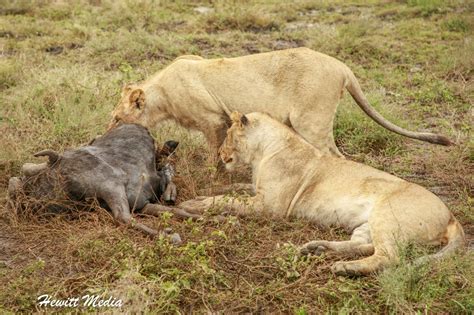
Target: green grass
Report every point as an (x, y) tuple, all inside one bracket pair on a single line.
[(62, 66), (426, 287)]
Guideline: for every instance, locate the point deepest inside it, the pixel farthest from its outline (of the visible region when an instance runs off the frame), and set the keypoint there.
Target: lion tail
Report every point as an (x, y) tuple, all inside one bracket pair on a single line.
[(456, 241), (355, 90)]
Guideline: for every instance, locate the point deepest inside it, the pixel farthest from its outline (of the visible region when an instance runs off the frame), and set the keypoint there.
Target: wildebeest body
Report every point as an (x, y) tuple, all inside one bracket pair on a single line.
[(125, 156), (117, 168)]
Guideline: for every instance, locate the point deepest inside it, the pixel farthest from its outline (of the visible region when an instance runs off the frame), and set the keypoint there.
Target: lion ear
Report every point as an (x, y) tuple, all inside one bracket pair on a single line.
[(238, 118), (127, 88), (235, 117), (244, 121), (137, 99)]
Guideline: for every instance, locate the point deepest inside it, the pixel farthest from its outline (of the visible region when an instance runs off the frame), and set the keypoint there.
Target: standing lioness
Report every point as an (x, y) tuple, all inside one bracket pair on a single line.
[(298, 87), (292, 178)]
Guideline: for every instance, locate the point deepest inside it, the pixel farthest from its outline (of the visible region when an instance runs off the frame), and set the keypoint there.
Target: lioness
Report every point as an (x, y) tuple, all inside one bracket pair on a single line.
[(298, 87), (292, 178)]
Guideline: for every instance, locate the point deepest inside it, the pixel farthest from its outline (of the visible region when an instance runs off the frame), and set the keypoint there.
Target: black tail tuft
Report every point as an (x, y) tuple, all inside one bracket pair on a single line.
[(442, 140)]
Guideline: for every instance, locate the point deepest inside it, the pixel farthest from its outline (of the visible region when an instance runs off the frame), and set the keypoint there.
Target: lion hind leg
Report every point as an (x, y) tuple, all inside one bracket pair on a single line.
[(353, 248), (332, 146), (358, 245), (317, 129), (456, 241), (384, 254), (361, 267)]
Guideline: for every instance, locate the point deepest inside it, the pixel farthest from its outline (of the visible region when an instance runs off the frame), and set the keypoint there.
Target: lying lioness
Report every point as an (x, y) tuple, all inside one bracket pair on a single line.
[(292, 178), (298, 87)]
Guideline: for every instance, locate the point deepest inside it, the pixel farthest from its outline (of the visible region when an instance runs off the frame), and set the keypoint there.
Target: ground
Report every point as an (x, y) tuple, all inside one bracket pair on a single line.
[(62, 66)]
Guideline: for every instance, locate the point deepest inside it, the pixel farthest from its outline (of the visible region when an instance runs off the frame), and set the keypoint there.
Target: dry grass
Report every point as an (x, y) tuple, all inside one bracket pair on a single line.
[(61, 68)]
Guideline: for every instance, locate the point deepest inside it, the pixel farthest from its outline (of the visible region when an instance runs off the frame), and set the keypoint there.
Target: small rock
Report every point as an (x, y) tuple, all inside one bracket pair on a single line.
[(75, 46), (168, 230), (415, 69), (175, 239), (203, 10), (54, 50)]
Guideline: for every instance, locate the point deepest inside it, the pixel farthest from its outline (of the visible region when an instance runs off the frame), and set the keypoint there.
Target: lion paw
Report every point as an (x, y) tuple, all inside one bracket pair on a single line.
[(342, 268), (314, 248)]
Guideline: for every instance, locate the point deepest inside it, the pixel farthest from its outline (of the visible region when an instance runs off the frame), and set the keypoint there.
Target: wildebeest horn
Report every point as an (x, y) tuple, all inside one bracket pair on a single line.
[(52, 156)]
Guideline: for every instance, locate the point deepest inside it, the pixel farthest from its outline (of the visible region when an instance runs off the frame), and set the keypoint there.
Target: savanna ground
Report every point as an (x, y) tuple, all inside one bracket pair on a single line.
[(62, 66)]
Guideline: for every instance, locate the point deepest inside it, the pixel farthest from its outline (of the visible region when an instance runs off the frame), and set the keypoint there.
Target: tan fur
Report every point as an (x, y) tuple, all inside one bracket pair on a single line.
[(298, 87), (292, 178)]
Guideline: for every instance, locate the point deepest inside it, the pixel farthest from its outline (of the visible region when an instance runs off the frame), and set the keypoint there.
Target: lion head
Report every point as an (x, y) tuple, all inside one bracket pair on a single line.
[(131, 107), (233, 151), (136, 107)]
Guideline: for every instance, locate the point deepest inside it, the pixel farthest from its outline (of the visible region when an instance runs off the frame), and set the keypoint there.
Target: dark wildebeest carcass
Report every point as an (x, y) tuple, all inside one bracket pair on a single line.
[(118, 168)]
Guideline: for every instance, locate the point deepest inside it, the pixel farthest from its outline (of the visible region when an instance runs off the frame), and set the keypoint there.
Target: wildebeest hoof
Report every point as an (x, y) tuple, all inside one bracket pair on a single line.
[(169, 196)]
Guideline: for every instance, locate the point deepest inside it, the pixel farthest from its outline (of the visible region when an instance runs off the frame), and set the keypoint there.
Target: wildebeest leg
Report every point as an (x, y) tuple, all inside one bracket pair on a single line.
[(359, 244), (236, 187), (116, 199), (156, 210)]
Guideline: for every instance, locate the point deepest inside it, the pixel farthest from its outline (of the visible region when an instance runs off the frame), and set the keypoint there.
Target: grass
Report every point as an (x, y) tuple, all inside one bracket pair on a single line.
[(62, 65)]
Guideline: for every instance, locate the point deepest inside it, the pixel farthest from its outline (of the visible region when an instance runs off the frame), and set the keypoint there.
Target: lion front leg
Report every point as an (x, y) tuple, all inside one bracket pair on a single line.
[(237, 205), (156, 210), (215, 135)]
